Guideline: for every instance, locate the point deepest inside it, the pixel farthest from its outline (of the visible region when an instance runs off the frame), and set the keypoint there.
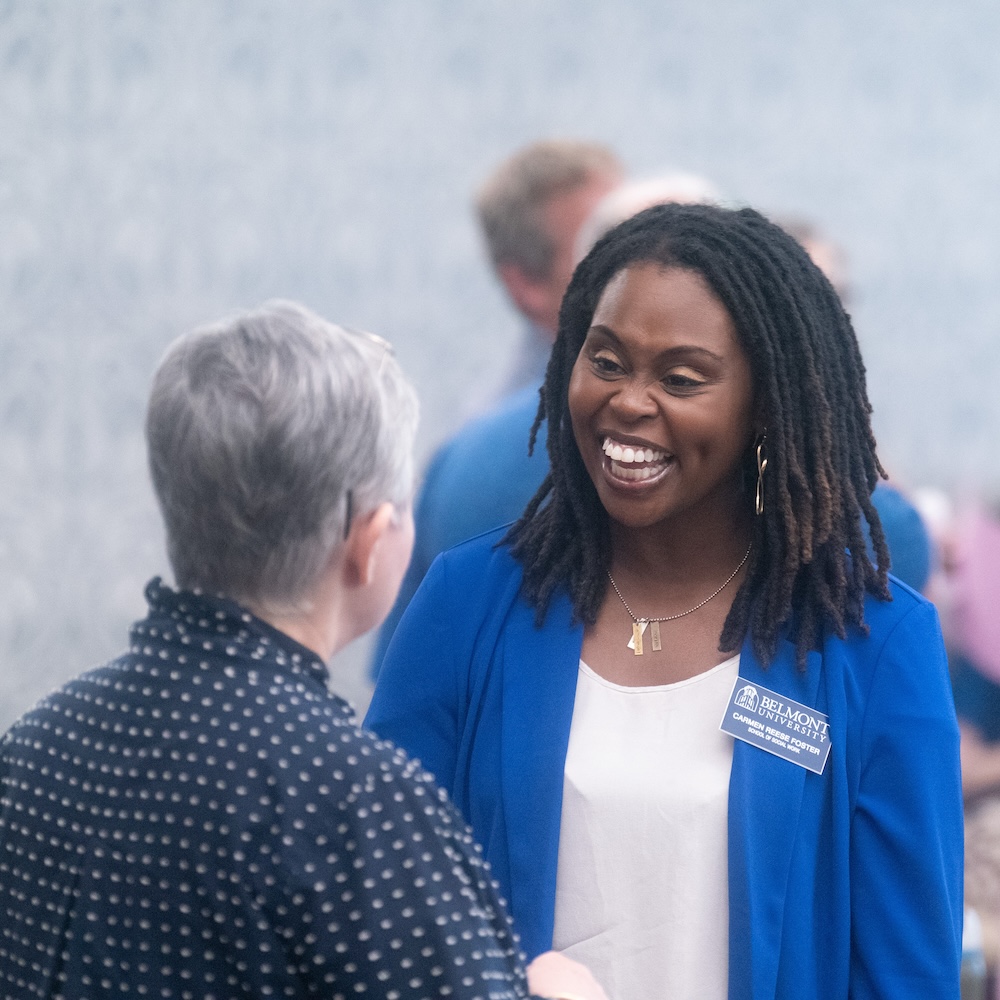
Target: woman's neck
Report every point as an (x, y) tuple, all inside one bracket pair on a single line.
[(687, 576), (680, 552)]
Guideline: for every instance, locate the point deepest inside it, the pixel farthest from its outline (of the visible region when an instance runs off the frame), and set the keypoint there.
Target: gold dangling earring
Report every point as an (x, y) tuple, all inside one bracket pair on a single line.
[(761, 466)]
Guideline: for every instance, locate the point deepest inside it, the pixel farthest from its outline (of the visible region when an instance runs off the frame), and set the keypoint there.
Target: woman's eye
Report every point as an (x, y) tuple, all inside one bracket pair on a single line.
[(603, 364), (679, 380)]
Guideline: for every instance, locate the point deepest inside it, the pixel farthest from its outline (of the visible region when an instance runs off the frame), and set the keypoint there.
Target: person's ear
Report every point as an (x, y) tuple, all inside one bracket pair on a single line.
[(530, 295), (361, 550)]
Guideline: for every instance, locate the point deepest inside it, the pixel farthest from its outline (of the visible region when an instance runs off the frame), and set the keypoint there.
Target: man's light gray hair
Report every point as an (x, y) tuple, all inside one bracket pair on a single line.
[(511, 202), (266, 432)]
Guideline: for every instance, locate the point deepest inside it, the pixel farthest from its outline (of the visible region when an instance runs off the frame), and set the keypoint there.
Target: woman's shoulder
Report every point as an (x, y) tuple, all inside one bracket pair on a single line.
[(901, 634), (907, 609), (475, 581), (484, 557)]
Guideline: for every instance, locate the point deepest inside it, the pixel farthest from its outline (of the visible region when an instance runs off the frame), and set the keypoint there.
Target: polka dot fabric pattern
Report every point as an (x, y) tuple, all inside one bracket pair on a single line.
[(202, 819)]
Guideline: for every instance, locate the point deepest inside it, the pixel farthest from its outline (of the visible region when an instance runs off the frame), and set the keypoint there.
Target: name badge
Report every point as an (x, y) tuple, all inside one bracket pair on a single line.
[(786, 728)]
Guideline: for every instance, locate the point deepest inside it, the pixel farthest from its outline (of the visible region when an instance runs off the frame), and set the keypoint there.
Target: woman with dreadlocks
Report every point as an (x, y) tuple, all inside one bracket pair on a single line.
[(698, 553)]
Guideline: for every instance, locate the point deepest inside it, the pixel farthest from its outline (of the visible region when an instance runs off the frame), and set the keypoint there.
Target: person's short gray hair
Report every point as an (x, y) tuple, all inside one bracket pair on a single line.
[(511, 201), (633, 196), (265, 432)]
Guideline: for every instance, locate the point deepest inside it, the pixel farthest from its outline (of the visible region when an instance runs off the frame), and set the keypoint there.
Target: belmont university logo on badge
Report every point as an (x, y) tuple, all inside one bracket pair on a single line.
[(768, 720)]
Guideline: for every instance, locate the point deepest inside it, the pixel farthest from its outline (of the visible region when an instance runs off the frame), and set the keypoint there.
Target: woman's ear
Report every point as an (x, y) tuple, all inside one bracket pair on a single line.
[(361, 550)]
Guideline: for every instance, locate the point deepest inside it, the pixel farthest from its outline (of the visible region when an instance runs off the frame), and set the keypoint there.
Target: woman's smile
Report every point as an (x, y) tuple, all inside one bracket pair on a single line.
[(634, 465)]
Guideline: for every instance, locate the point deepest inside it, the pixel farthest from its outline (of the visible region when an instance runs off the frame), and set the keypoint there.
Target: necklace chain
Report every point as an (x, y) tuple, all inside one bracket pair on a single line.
[(670, 618)]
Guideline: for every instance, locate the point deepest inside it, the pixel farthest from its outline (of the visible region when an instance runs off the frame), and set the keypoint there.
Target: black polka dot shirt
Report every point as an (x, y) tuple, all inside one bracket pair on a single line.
[(202, 819)]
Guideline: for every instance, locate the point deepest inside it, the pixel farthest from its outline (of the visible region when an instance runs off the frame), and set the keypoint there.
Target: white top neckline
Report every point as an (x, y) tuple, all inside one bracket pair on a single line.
[(652, 688)]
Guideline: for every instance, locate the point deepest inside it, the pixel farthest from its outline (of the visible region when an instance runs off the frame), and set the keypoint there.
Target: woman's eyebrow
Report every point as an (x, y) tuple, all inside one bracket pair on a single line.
[(606, 330), (680, 349)]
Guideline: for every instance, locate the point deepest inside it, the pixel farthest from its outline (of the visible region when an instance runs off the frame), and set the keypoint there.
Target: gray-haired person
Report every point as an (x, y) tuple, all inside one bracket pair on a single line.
[(201, 817)]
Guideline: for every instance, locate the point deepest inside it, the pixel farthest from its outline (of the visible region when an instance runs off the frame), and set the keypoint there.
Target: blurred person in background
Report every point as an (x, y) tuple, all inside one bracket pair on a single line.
[(633, 196), (699, 552), (530, 211), (968, 587), (202, 817)]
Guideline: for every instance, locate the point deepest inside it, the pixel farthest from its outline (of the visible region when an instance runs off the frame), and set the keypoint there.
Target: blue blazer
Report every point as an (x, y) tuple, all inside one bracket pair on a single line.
[(845, 884)]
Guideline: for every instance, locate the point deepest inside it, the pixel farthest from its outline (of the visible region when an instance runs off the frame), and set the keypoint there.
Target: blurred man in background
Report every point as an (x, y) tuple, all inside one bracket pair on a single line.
[(531, 210)]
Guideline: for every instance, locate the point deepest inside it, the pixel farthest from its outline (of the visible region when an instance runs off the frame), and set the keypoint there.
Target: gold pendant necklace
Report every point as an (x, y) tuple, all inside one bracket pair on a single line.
[(639, 624)]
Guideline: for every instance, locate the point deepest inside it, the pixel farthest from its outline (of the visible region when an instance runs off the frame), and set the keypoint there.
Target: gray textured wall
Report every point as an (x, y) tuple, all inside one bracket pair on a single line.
[(164, 162)]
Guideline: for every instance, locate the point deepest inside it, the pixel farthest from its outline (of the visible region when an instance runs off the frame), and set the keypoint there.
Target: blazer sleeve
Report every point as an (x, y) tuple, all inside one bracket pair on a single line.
[(419, 692), (906, 838)]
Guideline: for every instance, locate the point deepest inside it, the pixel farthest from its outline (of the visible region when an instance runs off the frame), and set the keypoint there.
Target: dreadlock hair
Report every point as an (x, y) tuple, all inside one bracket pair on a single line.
[(809, 561)]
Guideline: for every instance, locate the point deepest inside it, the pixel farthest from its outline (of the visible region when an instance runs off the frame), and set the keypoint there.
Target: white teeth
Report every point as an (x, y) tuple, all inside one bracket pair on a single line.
[(623, 453), (632, 472)]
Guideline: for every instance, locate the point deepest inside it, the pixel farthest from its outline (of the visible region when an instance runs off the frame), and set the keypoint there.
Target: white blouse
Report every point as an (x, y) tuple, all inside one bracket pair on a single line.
[(642, 893)]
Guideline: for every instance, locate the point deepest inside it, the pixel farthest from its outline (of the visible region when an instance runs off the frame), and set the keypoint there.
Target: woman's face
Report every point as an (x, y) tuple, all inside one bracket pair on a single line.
[(661, 399)]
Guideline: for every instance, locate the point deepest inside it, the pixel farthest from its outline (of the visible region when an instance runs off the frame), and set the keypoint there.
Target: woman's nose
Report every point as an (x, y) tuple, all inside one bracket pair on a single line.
[(634, 399)]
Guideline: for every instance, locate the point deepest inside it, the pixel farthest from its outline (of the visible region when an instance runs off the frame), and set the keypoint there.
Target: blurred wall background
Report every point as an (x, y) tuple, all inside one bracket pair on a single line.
[(162, 163)]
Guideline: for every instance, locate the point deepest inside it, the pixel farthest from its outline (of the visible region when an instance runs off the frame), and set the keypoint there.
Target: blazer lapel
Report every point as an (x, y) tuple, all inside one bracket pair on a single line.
[(540, 668), (765, 796)]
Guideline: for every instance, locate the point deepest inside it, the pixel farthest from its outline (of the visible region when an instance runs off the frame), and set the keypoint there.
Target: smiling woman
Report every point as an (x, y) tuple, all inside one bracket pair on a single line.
[(698, 552), (661, 404)]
